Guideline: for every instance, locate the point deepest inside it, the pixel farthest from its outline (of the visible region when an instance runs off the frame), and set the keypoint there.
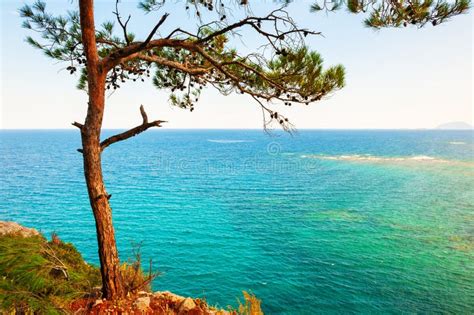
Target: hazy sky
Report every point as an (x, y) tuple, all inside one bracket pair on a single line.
[(396, 78)]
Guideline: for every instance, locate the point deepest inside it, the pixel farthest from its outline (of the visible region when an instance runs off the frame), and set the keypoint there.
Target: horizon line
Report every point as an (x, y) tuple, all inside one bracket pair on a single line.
[(252, 129)]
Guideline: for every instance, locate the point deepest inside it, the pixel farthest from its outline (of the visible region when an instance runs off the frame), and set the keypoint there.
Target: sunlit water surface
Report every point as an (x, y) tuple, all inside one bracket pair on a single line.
[(322, 222)]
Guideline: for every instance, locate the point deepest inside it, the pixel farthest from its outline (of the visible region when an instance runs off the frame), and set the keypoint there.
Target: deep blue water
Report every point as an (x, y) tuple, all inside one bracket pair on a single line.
[(322, 222)]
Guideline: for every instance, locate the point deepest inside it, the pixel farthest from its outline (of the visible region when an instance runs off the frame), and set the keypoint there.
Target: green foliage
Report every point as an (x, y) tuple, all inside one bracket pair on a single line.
[(60, 37), (291, 75), (283, 69), (150, 5), (184, 89), (262, 77), (82, 84), (417, 12), (197, 5), (302, 69), (387, 13), (61, 34), (41, 276)]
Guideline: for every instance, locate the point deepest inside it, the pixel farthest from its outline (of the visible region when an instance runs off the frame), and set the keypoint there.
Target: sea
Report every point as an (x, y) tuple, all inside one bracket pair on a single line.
[(317, 222)]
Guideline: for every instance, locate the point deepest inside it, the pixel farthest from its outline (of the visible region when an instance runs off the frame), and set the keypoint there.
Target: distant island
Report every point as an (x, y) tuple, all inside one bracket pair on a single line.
[(455, 125)]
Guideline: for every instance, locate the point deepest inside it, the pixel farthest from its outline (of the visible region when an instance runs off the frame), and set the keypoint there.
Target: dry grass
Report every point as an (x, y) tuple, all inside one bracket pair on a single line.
[(251, 306)]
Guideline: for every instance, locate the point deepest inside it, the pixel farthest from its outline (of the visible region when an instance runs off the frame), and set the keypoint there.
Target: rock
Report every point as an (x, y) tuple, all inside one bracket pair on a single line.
[(186, 305), (142, 303), (7, 228), (142, 293), (98, 302), (168, 296)]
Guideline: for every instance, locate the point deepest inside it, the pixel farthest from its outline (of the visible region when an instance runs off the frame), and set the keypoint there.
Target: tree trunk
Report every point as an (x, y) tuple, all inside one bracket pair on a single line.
[(112, 286)]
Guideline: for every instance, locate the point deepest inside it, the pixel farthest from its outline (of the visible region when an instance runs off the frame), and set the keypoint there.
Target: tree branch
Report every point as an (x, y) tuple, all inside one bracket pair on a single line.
[(153, 31), (135, 49), (179, 30), (144, 115), (255, 23), (226, 29), (191, 69), (107, 42), (123, 25), (132, 132), (78, 125)]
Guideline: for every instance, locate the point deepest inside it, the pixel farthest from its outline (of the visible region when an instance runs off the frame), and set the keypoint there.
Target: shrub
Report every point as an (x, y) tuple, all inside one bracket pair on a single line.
[(41, 276), (251, 305), (133, 276)]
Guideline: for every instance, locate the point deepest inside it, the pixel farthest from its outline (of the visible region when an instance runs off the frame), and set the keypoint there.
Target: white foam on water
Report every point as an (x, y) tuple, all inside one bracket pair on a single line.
[(425, 158), (379, 159), (457, 142)]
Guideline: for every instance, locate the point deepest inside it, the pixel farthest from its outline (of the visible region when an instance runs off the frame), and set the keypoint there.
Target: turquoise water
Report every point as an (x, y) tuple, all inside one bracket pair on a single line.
[(322, 222)]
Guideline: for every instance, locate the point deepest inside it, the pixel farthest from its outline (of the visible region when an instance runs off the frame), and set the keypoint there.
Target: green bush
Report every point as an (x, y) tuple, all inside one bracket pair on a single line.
[(41, 276)]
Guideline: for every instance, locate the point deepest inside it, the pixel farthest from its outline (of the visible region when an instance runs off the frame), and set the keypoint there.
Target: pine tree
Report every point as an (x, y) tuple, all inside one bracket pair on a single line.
[(398, 13), (183, 62)]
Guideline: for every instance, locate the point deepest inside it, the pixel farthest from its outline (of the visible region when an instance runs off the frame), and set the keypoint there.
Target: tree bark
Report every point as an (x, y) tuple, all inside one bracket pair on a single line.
[(112, 285)]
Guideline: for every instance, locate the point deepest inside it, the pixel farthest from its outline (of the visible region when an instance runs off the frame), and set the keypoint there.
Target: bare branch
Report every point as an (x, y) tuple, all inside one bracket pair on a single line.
[(255, 23), (107, 42), (228, 28), (78, 125), (144, 115), (179, 30), (132, 132), (282, 120), (153, 31), (123, 25)]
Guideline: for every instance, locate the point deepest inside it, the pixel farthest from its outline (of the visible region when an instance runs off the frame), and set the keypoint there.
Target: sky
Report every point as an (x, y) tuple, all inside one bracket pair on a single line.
[(395, 78)]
